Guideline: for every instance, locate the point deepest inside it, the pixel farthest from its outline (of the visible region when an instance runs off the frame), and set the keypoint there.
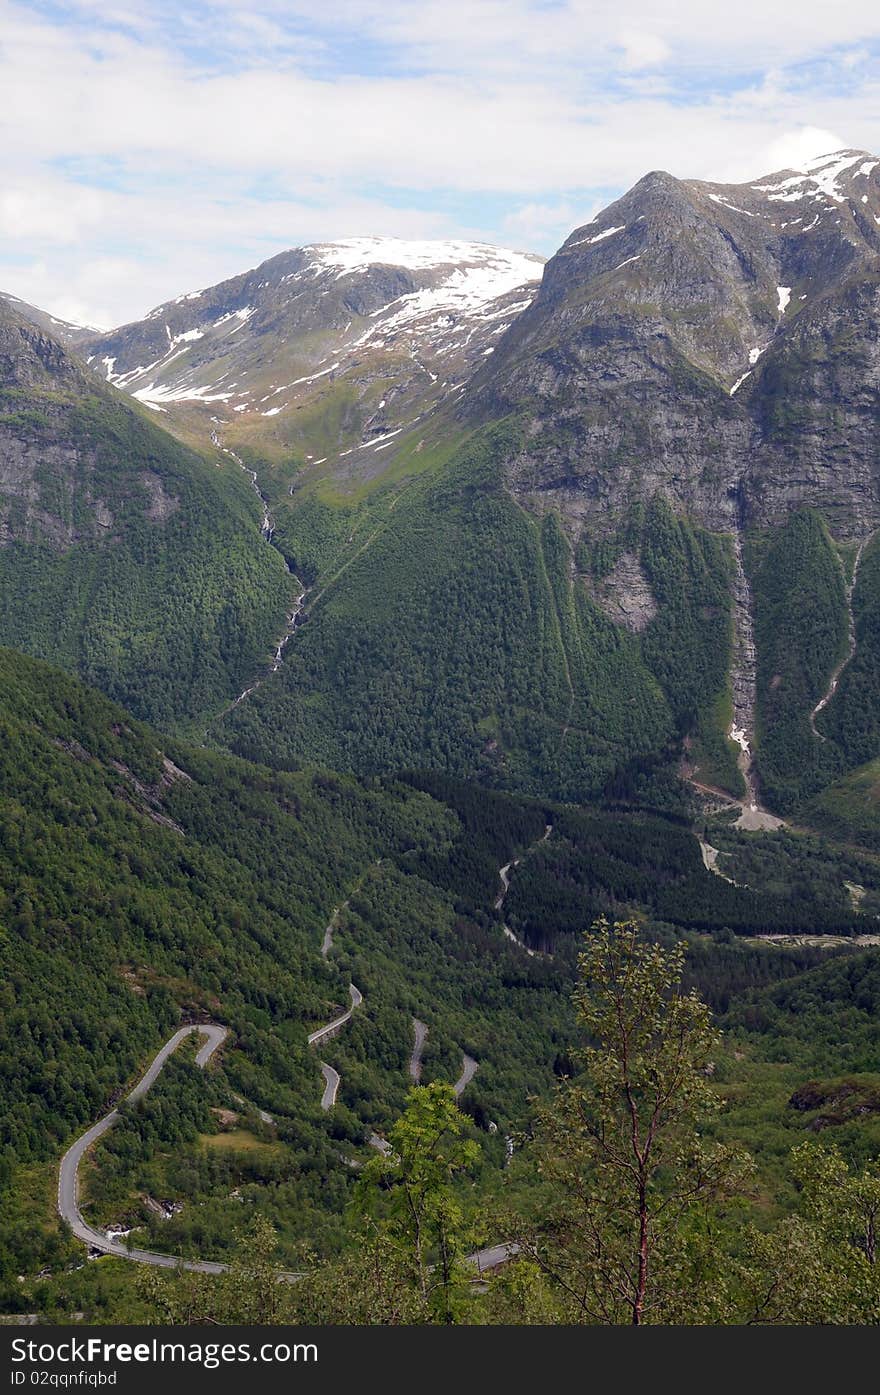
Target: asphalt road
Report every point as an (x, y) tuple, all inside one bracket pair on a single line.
[(492, 1256), (68, 1173), (331, 1076), (331, 1085), (333, 1027), (215, 1035), (469, 1068), (420, 1032)]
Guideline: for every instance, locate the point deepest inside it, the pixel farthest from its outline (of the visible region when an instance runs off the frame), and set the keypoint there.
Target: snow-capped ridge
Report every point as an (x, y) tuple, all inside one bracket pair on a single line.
[(33, 312), (822, 175), (373, 298), (353, 254)]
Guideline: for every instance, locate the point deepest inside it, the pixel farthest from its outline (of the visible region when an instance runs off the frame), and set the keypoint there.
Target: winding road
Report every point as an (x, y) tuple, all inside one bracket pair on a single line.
[(504, 873), (325, 1033), (215, 1035), (469, 1068), (331, 1076), (68, 1172), (420, 1033), (331, 1085)]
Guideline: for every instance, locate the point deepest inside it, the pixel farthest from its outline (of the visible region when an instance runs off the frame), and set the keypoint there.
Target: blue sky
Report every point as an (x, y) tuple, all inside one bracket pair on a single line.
[(150, 151)]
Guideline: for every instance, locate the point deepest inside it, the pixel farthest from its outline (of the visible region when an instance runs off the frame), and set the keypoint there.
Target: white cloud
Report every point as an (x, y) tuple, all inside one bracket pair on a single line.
[(642, 50), (49, 210), (180, 244), (536, 224), (86, 295), (795, 148), (191, 141)]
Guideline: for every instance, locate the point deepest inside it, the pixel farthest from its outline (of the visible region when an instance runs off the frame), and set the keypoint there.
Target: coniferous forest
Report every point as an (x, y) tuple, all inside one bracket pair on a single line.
[(148, 883)]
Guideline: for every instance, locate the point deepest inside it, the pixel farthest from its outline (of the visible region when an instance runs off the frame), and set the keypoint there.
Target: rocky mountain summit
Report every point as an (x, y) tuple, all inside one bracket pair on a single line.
[(42, 462), (716, 344), (370, 332)]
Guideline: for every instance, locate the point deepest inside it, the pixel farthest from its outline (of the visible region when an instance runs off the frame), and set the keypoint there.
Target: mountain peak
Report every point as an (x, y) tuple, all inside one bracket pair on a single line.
[(379, 328), (689, 301), (830, 175)]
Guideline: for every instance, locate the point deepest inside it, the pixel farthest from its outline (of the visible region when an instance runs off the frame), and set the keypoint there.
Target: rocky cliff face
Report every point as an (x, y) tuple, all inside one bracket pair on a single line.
[(54, 484), (29, 357), (48, 490), (714, 344)]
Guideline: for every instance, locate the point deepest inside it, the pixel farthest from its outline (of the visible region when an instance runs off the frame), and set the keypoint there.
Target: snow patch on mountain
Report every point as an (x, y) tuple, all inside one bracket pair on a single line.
[(26, 307), (725, 203), (187, 337), (463, 294), (599, 237), (820, 178), (467, 293), (505, 268), (156, 392), (242, 315), (739, 382)]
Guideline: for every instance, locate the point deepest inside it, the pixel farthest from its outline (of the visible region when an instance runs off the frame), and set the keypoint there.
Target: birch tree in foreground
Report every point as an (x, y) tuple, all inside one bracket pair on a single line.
[(627, 1236)]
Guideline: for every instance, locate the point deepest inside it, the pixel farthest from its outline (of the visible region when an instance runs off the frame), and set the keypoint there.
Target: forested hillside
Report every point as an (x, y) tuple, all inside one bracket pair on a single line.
[(145, 882), (124, 556), (137, 889), (851, 719), (461, 633)]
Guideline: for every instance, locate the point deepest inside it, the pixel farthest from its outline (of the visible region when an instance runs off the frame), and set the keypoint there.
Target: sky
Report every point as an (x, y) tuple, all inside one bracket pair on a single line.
[(151, 149)]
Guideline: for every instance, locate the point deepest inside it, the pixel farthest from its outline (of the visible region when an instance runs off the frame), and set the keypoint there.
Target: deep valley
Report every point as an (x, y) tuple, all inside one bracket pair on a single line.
[(380, 627)]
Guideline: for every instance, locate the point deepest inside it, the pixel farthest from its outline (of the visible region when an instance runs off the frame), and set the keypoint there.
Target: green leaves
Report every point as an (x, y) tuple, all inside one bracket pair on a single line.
[(428, 1149), (820, 1266), (620, 1146)]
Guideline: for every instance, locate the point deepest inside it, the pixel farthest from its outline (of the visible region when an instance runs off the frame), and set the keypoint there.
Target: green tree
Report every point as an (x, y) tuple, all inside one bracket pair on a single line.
[(371, 1285), (846, 1206), (427, 1149), (630, 1177), (253, 1289), (820, 1266)]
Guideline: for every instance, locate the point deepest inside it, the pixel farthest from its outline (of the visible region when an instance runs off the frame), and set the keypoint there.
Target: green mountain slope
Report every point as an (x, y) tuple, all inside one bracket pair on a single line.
[(135, 889), (817, 636), (145, 881), (800, 634), (124, 556), (852, 718), (635, 530), (462, 634), (615, 525)]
